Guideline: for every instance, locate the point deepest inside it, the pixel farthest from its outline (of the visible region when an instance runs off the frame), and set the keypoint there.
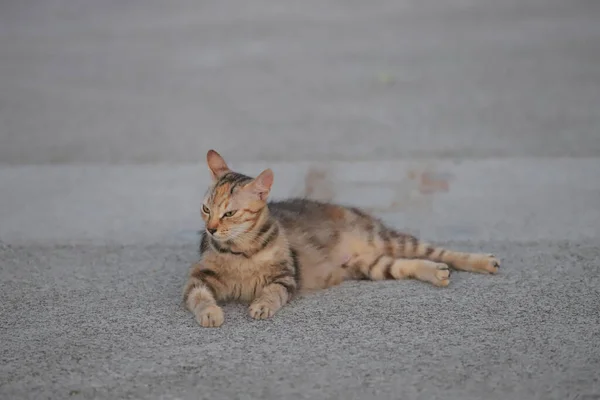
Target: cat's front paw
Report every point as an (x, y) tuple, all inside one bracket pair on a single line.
[(210, 316), (261, 311)]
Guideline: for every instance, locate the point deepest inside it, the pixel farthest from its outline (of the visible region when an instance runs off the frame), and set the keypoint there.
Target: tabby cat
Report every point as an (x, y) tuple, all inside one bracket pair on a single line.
[(265, 253)]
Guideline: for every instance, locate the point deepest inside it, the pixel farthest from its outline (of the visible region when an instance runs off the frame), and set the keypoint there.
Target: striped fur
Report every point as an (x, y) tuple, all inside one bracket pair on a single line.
[(265, 253)]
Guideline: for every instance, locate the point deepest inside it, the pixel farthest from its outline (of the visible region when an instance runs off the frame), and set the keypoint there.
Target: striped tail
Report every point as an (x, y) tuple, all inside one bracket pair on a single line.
[(401, 245)]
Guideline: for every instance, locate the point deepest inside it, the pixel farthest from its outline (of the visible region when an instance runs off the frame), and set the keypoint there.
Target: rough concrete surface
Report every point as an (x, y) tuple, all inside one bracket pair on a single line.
[(472, 123), (106, 322)]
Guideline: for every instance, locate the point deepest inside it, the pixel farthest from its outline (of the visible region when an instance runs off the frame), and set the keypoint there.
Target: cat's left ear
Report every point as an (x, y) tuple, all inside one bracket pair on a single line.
[(216, 164), (261, 185)]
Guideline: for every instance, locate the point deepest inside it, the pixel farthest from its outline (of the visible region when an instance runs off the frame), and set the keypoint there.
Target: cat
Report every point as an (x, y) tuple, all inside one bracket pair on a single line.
[(267, 252)]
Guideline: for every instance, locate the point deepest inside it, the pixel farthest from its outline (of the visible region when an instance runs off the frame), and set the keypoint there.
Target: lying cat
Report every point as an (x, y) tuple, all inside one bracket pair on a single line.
[(264, 253)]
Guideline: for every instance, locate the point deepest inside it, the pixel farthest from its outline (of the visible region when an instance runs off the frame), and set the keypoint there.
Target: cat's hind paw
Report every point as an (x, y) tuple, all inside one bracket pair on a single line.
[(442, 275)]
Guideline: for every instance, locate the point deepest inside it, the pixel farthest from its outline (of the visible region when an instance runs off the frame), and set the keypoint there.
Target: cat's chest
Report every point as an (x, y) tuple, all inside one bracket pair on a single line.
[(244, 278), (241, 271)]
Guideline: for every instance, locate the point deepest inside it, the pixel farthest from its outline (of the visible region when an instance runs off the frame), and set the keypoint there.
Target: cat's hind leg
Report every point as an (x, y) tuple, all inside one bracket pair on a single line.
[(470, 262), (381, 267), (407, 246), (373, 235)]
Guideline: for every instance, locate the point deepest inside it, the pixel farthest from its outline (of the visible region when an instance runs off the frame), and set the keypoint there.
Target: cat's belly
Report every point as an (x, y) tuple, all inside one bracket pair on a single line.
[(322, 276)]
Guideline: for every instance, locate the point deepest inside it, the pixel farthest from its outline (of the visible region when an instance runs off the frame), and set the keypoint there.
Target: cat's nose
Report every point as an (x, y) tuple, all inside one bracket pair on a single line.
[(211, 230)]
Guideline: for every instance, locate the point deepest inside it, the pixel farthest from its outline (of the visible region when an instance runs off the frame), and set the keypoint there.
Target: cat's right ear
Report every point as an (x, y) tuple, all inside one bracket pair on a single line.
[(216, 164), (261, 185)]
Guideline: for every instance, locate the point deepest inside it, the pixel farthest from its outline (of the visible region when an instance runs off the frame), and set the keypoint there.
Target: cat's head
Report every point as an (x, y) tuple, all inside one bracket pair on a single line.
[(234, 201)]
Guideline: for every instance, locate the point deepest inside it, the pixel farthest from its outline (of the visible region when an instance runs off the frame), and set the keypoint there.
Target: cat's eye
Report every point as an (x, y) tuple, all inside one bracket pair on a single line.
[(205, 209), (229, 214)]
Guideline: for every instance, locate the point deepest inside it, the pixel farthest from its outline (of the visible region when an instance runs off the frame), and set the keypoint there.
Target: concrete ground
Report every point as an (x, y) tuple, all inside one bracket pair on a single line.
[(474, 124)]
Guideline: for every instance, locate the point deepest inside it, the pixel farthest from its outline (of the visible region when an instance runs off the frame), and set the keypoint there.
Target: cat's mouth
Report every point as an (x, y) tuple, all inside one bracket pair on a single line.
[(225, 236), (219, 236)]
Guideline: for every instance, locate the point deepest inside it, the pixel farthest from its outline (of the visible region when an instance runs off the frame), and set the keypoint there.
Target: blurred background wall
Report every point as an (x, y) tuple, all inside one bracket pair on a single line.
[(148, 81)]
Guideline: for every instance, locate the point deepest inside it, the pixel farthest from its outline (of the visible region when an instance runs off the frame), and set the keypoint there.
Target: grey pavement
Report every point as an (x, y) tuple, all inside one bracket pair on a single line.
[(473, 124)]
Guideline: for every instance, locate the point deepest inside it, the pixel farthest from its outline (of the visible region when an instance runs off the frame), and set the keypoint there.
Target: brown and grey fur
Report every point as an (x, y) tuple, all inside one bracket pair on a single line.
[(268, 252)]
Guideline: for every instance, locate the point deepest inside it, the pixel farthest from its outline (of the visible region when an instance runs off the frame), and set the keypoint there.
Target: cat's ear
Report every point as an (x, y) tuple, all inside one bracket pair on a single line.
[(261, 185), (216, 164)]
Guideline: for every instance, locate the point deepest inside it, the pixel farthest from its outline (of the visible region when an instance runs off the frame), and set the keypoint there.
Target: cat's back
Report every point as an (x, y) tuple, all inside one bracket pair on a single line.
[(306, 214), (318, 232)]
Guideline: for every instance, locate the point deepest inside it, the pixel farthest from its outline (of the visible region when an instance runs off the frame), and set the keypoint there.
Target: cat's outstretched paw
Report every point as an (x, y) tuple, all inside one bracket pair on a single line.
[(210, 316), (442, 275), (261, 311)]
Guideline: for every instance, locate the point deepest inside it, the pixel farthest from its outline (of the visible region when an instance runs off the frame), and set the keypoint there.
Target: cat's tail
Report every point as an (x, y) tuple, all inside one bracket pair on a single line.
[(408, 246), (391, 243)]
